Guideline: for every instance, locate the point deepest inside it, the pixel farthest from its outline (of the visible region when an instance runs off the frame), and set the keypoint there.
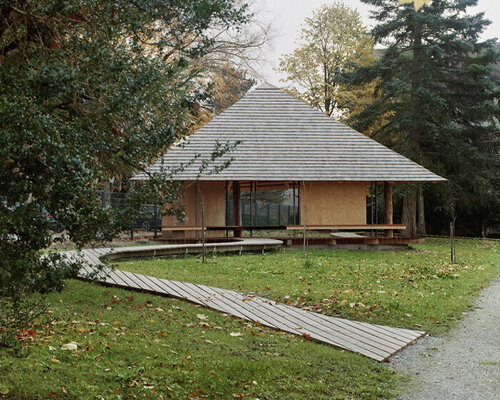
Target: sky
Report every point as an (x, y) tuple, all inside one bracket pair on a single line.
[(287, 16)]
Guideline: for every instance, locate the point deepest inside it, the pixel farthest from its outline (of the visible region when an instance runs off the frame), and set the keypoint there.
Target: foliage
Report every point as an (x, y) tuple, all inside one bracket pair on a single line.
[(416, 289), (18, 314), (434, 79), (238, 49), (134, 345), (228, 84), (89, 90), (331, 40)]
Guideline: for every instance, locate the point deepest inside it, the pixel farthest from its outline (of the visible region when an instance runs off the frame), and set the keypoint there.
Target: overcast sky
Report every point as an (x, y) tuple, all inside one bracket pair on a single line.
[(288, 15)]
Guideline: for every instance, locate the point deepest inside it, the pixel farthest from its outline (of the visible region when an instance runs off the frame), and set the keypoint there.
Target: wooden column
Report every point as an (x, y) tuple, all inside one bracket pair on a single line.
[(388, 207), (236, 207)]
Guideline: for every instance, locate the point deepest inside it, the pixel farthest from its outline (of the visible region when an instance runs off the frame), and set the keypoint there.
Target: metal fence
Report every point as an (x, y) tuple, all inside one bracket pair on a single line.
[(118, 202), (258, 213)]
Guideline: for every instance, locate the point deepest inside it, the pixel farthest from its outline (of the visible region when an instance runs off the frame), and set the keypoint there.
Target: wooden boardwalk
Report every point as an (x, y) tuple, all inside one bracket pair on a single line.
[(374, 341)]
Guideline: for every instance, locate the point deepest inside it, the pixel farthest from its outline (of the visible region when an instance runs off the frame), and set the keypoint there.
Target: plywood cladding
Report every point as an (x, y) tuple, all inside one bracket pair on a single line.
[(321, 203), (333, 203), (213, 195)]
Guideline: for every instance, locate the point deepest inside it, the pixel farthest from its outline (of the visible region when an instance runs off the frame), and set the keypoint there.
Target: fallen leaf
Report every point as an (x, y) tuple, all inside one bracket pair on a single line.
[(69, 346), (201, 316), (236, 334)]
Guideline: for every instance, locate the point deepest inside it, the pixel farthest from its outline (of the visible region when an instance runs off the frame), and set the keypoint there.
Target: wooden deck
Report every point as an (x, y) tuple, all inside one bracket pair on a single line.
[(365, 227), (374, 341)]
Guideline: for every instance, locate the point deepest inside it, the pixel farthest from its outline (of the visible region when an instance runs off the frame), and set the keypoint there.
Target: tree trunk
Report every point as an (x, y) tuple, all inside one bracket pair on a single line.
[(304, 218), (410, 213), (203, 244), (421, 213), (413, 143), (107, 194), (484, 228)]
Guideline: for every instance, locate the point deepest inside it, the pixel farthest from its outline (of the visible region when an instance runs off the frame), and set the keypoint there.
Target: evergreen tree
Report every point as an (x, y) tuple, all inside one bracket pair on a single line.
[(89, 90), (434, 85)]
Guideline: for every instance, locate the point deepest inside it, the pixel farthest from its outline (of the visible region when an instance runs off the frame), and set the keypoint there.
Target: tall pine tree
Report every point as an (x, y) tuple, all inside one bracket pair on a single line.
[(434, 83)]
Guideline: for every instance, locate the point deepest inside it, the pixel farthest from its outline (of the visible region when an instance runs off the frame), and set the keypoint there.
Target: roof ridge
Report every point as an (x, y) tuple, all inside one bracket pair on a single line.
[(266, 85)]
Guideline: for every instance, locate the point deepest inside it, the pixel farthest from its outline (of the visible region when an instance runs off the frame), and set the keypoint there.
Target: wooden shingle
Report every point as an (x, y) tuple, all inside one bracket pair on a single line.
[(283, 139)]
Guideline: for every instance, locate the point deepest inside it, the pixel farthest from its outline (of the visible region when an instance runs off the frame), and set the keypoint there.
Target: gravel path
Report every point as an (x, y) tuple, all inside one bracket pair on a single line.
[(464, 364)]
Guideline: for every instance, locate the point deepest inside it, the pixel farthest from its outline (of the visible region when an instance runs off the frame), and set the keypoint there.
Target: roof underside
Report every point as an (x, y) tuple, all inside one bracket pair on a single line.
[(283, 139)]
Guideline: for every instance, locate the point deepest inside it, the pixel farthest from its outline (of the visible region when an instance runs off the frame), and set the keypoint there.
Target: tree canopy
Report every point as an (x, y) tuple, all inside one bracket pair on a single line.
[(434, 78), (331, 40), (89, 89)]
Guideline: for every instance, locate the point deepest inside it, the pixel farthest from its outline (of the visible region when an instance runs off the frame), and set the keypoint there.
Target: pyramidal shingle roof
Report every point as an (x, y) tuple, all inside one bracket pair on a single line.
[(282, 138)]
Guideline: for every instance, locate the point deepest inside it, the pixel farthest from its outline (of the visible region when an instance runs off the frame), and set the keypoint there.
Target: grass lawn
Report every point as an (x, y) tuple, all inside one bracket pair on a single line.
[(416, 289), (134, 345)]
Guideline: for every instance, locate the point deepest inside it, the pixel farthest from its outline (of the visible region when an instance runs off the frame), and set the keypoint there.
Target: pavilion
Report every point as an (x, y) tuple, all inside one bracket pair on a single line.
[(278, 142)]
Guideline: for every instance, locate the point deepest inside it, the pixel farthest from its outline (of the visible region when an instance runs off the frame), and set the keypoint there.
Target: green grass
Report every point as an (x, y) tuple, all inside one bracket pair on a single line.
[(416, 289), (134, 345)]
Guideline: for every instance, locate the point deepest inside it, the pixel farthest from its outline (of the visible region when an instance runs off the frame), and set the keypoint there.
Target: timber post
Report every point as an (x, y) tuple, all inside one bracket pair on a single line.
[(236, 208), (388, 208)]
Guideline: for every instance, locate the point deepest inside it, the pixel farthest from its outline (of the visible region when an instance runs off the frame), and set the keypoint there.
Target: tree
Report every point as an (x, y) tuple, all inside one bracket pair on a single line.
[(233, 63), (434, 77), (331, 40), (88, 90), (227, 85), (239, 48), (226, 69)]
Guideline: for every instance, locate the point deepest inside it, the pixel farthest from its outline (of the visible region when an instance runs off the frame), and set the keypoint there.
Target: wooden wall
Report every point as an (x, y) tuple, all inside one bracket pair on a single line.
[(321, 203), (215, 209), (333, 203)]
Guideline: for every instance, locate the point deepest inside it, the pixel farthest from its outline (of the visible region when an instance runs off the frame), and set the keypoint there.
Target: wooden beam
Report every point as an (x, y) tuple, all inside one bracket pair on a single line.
[(181, 228), (236, 207), (284, 227), (388, 208), (344, 227)]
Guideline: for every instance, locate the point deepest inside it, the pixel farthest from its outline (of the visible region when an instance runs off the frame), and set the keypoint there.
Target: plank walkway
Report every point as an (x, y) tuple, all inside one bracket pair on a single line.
[(374, 341)]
